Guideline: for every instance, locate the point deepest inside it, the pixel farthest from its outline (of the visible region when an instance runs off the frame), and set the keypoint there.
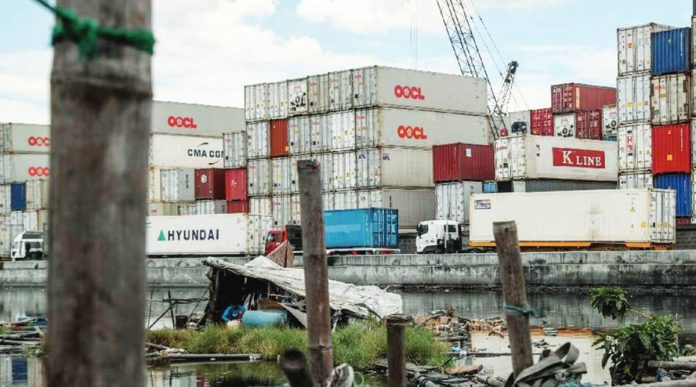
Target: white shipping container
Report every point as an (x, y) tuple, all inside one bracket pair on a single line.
[(318, 93), (187, 209), (325, 169), (256, 102), (294, 177), (278, 100), (281, 179), (235, 149), (342, 130), (542, 157), (564, 125), (178, 185), (30, 220), (517, 122), (21, 167), (299, 136), (295, 210), (5, 200), (195, 120), (414, 205), (693, 91), (37, 194), (327, 201), (610, 122), (154, 184), (380, 127), (635, 180), (297, 97), (453, 200), (261, 206), (640, 217), (634, 48), (343, 200), (172, 151), (209, 207), (394, 167), (282, 210), (25, 138), (635, 147), (340, 90), (259, 177), (670, 99), (343, 176), (258, 140), (320, 128), (693, 142), (633, 98), (163, 209)]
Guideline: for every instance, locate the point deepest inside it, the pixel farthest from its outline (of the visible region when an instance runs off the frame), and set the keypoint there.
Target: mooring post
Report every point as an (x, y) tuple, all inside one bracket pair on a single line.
[(396, 348), (514, 294), (294, 366), (100, 119), (316, 273)]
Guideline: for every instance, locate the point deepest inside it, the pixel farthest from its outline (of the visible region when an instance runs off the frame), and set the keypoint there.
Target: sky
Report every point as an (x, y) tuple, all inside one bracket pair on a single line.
[(207, 50)]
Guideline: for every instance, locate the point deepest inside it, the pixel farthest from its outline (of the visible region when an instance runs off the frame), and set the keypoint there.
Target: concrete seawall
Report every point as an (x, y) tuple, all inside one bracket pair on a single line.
[(651, 269)]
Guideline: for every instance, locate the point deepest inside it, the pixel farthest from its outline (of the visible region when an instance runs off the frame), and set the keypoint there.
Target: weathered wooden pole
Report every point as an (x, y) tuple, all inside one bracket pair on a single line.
[(514, 294), (100, 119), (396, 348), (316, 273)]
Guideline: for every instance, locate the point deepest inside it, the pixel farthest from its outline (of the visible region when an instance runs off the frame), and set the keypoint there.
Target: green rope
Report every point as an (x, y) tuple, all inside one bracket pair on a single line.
[(525, 311), (87, 32)]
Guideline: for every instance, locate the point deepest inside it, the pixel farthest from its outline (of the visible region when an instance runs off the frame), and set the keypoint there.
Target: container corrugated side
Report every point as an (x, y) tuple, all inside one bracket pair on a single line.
[(541, 122), (163, 209), (178, 185), (546, 185), (571, 97), (237, 207), (320, 129), (25, 138), (342, 130), (414, 205), (564, 125), (588, 124), (195, 120), (258, 140), (282, 210), (633, 98), (634, 47), (344, 171), (670, 99), (186, 151), (318, 93), (21, 167), (281, 176), (278, 100), (210, 183), (297, 97), (369, 228), (154, 185), (278, 138), (671, 148), (236, 183), (635, 180), (604, 216), (671, 51), (326, 170), (256, 102), (341, 200), (259, 176), (394, 167), (635, 148), (610, 122), (5, 200), (453, 200), (299, 136), (235, 149), (340, 90), (681, 183), (452, 162), (210, 207), (261, 206)]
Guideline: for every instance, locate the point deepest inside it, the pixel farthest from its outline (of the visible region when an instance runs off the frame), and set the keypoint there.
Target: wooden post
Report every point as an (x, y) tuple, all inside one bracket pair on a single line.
[(100, 119), (294, 366), (396, 349), (514, 294), (316, 273)]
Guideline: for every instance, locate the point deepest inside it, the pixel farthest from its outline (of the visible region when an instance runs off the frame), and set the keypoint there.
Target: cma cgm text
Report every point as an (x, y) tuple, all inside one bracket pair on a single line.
[(213, 154)]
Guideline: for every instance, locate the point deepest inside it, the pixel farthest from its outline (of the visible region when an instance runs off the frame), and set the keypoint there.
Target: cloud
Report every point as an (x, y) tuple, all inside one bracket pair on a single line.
[(25, 91), (515, 4)]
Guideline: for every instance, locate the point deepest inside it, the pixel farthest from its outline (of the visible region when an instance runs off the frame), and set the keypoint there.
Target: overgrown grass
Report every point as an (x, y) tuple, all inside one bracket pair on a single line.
[(359, 344)]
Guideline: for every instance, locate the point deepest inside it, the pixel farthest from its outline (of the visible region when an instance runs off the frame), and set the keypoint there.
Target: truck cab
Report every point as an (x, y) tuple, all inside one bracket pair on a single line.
[(28, 245), (291, 233), (438, 237)]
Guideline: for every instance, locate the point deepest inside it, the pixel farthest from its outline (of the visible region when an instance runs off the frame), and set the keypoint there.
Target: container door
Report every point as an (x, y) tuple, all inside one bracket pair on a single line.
[(297, 97), (278, 100), (367, 128), (364, 87), (317, 93)]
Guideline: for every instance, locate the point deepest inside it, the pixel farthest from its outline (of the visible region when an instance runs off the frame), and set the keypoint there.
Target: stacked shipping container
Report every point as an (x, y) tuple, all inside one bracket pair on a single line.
[(578, 108)]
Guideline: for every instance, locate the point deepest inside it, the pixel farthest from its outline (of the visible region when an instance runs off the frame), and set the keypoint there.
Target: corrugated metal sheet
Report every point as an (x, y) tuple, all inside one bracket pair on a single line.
[(453, 199), (238, 207), (318, 93), (256, 102), (258, 140), (282, 210), (281, 176), (394, 167), (320, 128), (634, 52), (154, 185), (5, 200), (636, 180), (671, 51), (259, 176), (25, 138), (163, 209), (279, 138), (190, 119), (297, 97), (633, 98), (342, 130), (671, 148), (211, 207), (588, 124), (681, 183), (278, 100), (490, 186), (178, 185), (610, 122), (235, 148), (550, 185), (570, 97), (373, 227), (325, 169), (295, 209), (541, 121), (340, 90), (210, 183), (564, 125), (344, 171), (261, 206), (452, 162), (414, 205), (236, 183), (299, 136), (37, 194), (670, 99), (342, 200), (635, 148), (20, 167)]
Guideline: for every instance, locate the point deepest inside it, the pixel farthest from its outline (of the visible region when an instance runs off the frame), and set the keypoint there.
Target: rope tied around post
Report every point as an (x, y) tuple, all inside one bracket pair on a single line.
[(522, 310), (86, 33)]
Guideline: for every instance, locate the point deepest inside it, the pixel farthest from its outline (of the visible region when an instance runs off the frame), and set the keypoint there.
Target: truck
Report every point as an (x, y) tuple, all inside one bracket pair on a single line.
[(29, 245), (439, 237)]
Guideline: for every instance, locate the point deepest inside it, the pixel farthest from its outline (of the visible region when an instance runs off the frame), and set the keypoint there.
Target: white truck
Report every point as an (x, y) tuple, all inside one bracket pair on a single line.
[(439, 237), (28, 245)]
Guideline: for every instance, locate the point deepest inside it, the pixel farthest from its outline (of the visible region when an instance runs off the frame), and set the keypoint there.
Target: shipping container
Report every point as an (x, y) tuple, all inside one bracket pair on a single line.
[(195, 120), (693, 140), (256, 102), (154, 185), (178, 185), (209, 207), (541, 122), (187, 208), (25, 138), (18, 196), (299, 136), (5, 200), (380, 127), (340, 90), (342, 130), (633, 98), (220, 234), (37, 194), (548, 185), (414, 205), (342, 200), (635, 148), (236, 184), (294, 177), (361, 228), (394, 167), (30, 220), (210, 183), (282, 210), (638, 218), (258, 140), (20, 167), (670, 99), (635, 180), (277, 100), (235, 149), (326, 170), (185, 151), (281, 179), (163, 209), (296, 209), (519, 122), (279, 138), (539, 157), (453, 200), (671, 51), (571, 97), (237, 206), (261, 206), (456, 162), (344, 171), (610, 122), (259, 177), (320, 129), (588, 124), (318, 93), (671, 148), (564, 124), (490, 186), (297, 97), (634, 47), (681, 184)]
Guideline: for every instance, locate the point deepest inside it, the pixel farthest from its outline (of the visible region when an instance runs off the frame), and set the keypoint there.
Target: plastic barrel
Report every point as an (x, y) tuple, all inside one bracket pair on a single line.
[(258, 318)]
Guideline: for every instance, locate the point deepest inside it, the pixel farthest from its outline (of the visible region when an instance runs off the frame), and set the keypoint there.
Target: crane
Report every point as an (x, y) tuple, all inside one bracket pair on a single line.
[(461, 35)]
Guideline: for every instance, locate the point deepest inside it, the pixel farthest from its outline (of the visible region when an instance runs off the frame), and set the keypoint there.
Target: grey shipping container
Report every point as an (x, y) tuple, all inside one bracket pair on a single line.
[(546, 185)]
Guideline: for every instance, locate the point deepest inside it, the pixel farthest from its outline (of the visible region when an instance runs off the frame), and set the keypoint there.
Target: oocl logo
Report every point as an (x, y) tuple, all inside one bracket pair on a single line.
[(181, 122), (39, 171), (411, 132), (39, 141), (408, 92)]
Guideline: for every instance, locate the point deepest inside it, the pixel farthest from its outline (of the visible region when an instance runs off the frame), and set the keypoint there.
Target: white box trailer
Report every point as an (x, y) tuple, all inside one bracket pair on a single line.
[(636, 218), (545, 157), (195, 120), (25, 138), (174, 151)]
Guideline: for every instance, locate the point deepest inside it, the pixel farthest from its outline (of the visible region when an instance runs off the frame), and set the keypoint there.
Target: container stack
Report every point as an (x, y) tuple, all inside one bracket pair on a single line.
[(24, 170), (577, 109), (371, 129)]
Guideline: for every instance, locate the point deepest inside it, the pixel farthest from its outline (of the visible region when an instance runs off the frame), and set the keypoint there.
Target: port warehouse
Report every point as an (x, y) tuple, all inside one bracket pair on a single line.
[(396, 138)]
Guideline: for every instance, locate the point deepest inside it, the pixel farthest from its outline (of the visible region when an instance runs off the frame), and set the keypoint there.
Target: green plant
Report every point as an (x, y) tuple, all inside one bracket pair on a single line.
[(610, 302)]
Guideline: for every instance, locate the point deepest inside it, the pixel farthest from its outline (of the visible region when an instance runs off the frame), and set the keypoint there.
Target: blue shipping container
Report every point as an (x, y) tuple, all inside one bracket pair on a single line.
[(492, 186), (671, 51), (362, 228), (681, 183), (18, 197)]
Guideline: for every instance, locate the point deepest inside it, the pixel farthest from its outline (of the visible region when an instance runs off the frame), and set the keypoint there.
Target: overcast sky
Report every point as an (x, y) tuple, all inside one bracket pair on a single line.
[(208, 49)]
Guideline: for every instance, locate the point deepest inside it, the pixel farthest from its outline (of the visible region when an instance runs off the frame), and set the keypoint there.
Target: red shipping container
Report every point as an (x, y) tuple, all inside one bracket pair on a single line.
[(571, 97), (236, 184), (210, 183), (237, 207), (588, 124), (541, 122), (671, 149), (279, 138), (458, 162)]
